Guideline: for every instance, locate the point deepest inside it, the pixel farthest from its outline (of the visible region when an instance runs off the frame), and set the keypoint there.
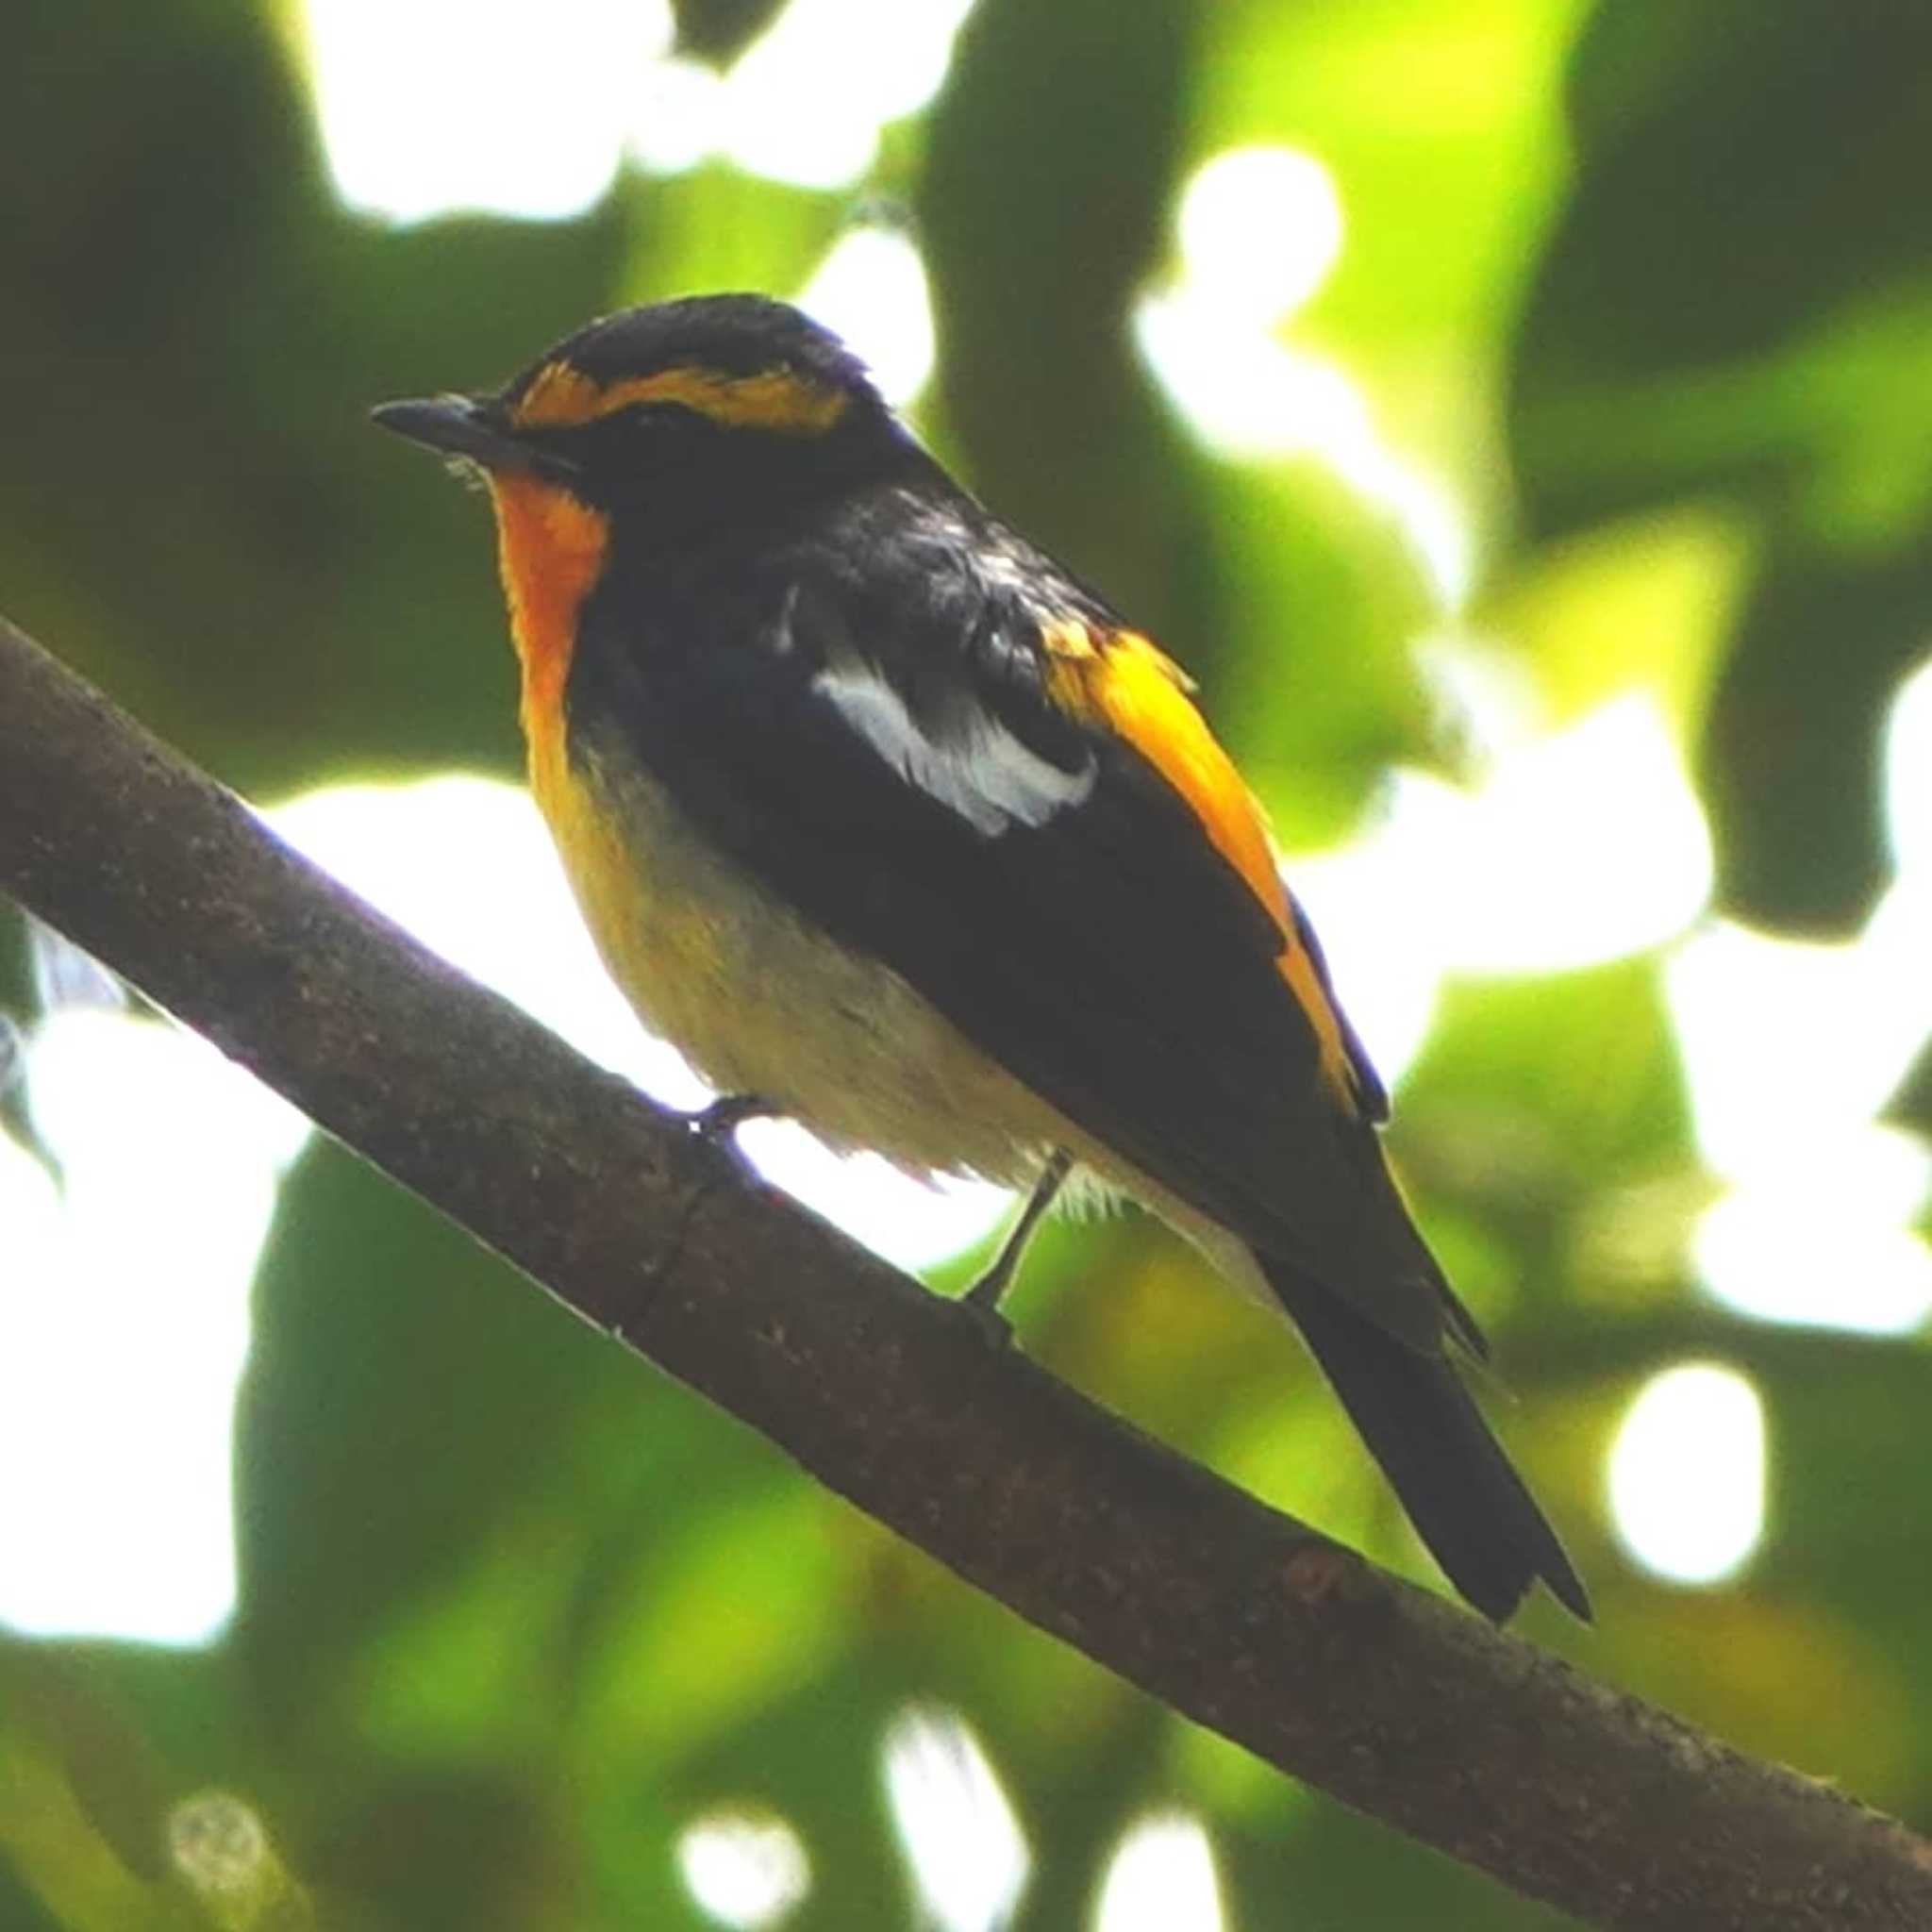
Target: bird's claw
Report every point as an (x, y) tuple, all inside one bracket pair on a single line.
[(980, 1306), (718, 1121)]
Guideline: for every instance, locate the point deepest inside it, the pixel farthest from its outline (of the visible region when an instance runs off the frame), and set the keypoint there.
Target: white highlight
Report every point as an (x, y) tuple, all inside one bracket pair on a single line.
[(428, 106), (1830, 1248), (1908, 780), (123, 1326), (871, 290), (1259, 229), (1580, 847), (968, 1861), (806, 102), (1161, 1878), (465, 863), (1687, 1473), (912, 1224), (1247, 395), (676, 115), (1781, 1035), (1790, 1050), (744, 1872)]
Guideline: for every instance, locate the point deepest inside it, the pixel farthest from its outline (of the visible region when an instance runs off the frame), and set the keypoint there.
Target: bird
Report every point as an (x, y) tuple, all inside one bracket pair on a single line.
[(896, 826)]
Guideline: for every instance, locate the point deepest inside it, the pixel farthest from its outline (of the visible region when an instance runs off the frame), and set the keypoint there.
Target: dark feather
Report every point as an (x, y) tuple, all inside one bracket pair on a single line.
[(1467, 1503), (859, 719), (858, 714)]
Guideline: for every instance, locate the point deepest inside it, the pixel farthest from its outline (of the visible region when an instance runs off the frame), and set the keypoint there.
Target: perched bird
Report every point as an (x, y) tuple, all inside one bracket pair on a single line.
[(889, 819)]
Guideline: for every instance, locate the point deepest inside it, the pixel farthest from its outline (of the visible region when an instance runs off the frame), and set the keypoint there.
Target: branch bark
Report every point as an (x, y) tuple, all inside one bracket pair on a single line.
[(1246, 1620)]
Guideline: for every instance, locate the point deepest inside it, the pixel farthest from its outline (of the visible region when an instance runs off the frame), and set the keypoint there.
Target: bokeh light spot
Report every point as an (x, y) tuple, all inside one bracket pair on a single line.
[(1687, 1473), (1259, 229), (961, 1839), (1583, 845), (1826, 1246), (429, 106), (1578, 847), (871, 290), (1908, 777), (807, 101), (433, 107), (123, 1326), (1161, 1878), (1789, 1049), (746, 1871)]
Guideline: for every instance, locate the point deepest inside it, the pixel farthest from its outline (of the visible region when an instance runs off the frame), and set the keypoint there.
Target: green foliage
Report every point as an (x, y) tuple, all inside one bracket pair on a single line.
[(1649, 283)]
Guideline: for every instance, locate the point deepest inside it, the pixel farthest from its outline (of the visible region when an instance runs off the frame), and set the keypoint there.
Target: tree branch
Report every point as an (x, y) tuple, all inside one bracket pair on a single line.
[(1247, 1621)]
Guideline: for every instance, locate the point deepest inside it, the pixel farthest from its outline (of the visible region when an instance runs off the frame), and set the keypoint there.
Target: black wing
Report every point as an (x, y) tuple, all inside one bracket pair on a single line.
[(864, 721)]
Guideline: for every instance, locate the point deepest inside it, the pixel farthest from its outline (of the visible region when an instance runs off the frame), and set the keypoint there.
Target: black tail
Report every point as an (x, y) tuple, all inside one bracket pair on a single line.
[(1467, 1503)]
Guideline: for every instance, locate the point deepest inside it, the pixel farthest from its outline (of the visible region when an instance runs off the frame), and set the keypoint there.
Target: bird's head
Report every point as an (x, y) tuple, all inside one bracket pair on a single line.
[(711, 412)]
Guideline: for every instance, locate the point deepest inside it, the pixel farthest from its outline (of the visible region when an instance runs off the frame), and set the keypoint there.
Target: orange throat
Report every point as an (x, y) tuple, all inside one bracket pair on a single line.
[(550, 549)]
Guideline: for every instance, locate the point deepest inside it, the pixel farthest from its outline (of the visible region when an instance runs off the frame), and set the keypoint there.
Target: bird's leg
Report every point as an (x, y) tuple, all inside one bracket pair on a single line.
[(984, 1295)]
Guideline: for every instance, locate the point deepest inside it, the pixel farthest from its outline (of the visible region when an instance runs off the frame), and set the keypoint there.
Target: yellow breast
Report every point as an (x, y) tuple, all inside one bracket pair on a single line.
[(757, 1000)]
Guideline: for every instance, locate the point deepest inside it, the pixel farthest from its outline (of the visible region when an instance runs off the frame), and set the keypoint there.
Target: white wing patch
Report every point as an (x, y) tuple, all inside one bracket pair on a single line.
[(987, 774)]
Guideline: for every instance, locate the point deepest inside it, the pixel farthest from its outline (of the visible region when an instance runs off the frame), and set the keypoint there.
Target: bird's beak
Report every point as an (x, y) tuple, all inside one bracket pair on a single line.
[(475, 431)]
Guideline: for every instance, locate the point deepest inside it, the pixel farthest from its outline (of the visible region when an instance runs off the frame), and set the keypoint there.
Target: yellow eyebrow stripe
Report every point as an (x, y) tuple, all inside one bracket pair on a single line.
[(561, 397), (1127, 682)]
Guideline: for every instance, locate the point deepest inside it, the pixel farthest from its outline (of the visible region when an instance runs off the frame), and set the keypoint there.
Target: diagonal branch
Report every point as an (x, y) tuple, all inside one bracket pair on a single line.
[(1243, 1619)]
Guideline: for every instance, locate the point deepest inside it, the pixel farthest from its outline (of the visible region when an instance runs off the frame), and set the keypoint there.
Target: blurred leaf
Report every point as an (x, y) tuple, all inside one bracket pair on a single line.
[(1667, 344), (20, 1909), (1648, 604), (1323, 601), (730, 1613), (64, 1700), (1911, 1105), (1791, 775), (716, 227), (407, 1392), (68, 1871), (1715, 132), (1533, 1097), (451, 1850), (86, 1796), (718, 31)]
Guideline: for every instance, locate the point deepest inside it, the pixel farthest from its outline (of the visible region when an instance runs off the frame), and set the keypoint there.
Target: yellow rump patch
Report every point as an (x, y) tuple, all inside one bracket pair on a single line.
[(1128, 683), (561, 395), (550, 549)]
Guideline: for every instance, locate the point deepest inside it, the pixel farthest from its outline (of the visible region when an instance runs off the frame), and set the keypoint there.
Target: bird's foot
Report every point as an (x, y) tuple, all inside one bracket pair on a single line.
[(981, 1311), (717, 1124)]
